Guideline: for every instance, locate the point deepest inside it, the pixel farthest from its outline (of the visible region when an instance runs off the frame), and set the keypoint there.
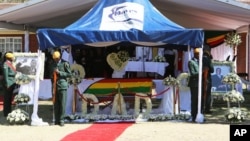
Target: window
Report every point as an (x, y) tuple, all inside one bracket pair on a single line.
[(13, 44)]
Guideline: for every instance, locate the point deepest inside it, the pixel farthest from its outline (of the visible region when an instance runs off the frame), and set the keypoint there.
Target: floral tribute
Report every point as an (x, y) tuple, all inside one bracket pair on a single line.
[(233, 96), (232, 39), (78, 74), (231, 78), (159, 59), (171, 81), (21, 98), (23, 78), (118, 61), (18, 117), (235, 115)]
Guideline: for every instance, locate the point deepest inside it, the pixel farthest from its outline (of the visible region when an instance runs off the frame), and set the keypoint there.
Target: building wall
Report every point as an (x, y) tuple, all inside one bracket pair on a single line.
[(33, 43), (241, 55)]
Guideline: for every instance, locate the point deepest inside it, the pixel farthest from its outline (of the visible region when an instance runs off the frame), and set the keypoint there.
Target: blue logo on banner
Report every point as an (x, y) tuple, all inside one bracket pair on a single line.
[(117, 12)]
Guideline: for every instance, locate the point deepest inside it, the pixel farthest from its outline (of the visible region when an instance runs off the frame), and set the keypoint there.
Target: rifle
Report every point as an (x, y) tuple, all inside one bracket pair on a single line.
[(54, 87)]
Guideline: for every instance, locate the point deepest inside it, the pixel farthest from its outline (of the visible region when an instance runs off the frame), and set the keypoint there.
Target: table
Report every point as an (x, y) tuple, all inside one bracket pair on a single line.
[(138, 66)]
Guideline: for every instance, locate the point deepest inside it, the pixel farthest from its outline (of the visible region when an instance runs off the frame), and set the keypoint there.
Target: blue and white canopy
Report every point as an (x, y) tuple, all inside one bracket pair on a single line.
[(112, 22)]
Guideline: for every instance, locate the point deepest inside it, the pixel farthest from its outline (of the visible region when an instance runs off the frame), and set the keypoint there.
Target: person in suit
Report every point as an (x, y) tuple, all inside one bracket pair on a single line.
[(60, 71), (9, 84), (217, 80), (193, 66), (207, 63)]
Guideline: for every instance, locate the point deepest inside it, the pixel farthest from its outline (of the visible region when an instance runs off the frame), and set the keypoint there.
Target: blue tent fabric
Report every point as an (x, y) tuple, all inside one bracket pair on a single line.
[(111, 22)]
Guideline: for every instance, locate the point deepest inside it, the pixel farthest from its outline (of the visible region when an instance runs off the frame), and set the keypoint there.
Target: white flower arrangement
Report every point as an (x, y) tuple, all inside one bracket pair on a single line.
[(118, 61), (233, 39), (159, 59), (183, 79), (78, 74), (231, 78), (18, 117), (171, 81), (93, 98), (21, 98), (119, 105), (21, 79), (166, 117), (101, 117), (138, 97), (235, 115), (233, 96)]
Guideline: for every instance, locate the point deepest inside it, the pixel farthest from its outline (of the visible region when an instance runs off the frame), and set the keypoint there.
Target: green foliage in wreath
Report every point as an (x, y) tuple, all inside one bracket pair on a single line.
[(123, 56)]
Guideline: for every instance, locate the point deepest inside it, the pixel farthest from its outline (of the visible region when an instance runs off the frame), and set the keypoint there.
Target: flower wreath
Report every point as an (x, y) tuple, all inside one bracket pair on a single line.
[(119, 101), (21, 98), (170, 81), (18, 117), (231, 78), (118, 61), (84, 104), (159, 59), (233, 96), (183, 79), (78, 74), (233, 39), (148, 102), (22, 79)]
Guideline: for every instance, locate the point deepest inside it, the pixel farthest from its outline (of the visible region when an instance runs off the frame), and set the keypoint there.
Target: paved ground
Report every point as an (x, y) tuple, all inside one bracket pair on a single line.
[(215, 128)]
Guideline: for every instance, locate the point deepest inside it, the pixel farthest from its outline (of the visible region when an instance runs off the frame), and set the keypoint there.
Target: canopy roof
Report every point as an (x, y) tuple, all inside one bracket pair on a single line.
[(121, 21), (205, 14)]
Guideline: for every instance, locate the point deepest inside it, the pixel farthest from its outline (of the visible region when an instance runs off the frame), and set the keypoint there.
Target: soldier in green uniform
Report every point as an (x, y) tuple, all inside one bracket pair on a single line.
[(9, 73), (60, 71)]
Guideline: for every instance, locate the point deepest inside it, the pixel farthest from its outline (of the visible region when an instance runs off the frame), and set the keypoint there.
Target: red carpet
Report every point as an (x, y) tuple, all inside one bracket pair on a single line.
[(98, 132)]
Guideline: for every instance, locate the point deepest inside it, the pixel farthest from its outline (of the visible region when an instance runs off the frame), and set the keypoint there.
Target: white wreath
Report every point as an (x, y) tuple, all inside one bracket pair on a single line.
[(119, 102), (183, 78), (85, 103), (78, 68), (147, 99), (78, 74)]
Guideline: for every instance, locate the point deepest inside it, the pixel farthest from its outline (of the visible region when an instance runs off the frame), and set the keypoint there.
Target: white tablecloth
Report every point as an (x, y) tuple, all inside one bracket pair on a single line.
[(138, 66), (167, 102)]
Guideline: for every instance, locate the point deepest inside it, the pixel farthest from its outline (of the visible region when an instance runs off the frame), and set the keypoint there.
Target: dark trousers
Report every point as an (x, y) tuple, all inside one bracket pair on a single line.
[(194, 102), (208, 98), (59, 105), (8, 95)]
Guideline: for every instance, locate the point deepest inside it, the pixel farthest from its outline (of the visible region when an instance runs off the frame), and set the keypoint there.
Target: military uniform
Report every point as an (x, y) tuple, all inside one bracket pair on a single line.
[(193, 66), (64, 72), (9, 73)]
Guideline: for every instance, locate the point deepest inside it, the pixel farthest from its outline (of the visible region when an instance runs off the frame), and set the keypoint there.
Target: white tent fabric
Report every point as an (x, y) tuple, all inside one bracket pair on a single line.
[(206, 14)]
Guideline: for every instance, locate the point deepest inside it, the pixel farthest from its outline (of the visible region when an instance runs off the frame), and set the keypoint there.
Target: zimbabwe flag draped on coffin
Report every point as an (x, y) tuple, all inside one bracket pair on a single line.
[(108, 86)]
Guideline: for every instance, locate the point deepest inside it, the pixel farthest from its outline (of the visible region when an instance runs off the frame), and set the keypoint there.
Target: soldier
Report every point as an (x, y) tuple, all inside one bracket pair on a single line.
[(60, 71), (9, 73)]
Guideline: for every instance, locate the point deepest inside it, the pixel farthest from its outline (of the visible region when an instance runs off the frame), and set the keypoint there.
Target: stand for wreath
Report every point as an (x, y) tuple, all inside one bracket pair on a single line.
[(234, 114)]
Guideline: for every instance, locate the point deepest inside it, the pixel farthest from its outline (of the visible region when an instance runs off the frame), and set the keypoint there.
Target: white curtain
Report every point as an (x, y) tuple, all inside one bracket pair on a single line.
[(221, 52)]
